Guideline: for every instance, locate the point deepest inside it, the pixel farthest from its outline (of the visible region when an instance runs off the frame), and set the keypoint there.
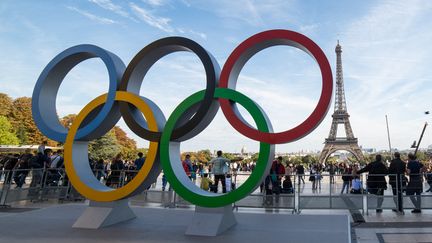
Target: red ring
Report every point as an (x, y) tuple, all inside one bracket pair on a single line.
[(314, 118)]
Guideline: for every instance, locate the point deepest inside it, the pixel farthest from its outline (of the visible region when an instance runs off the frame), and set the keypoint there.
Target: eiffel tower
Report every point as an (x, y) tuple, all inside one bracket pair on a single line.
[(340, 116)]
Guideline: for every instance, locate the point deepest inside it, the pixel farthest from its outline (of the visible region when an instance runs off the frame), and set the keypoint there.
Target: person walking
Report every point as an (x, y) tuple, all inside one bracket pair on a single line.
[(300, 171), (396, 176), (376, 182), (346, 178), (332, 171)]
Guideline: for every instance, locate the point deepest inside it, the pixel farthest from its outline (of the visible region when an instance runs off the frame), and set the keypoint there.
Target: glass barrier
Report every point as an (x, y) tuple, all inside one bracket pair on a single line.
[(325, 191), (296, 192)]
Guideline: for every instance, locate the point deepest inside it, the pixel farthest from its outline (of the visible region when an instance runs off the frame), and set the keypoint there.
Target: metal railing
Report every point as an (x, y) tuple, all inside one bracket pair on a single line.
[(292, 192), (35, 185)]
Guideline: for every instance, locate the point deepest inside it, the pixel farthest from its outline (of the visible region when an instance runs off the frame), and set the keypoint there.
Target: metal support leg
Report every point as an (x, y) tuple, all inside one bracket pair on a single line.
[(211, 221), (102, 214)]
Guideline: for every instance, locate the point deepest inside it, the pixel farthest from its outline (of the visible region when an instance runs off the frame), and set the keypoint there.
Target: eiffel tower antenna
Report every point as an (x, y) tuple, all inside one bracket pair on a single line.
[(340, 116)]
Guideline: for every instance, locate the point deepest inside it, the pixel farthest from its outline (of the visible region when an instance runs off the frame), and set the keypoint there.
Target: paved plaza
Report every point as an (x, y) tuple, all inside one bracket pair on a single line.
[(366, 224)]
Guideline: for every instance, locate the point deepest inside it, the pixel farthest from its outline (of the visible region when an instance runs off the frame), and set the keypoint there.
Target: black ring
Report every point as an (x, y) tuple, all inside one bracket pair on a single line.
[(195, 120)]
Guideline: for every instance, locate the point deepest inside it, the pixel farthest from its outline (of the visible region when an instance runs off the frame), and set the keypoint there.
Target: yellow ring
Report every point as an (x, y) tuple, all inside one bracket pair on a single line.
[(110, 194)]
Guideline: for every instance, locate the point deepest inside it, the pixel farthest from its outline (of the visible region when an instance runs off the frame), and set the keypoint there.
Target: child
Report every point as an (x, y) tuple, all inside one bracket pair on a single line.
[(205, 182), (287, 186), (357, 187)]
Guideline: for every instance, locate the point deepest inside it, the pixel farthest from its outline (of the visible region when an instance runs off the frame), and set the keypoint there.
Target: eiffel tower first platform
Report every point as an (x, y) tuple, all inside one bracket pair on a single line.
[(340, 117)]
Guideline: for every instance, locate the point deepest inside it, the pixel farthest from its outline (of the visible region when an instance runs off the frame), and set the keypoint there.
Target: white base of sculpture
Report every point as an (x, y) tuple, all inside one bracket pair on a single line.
[(103, 214), (211, 221)]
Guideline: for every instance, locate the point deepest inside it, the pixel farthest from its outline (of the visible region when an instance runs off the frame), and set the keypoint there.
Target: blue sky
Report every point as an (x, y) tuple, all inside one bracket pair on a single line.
[(387, 59)]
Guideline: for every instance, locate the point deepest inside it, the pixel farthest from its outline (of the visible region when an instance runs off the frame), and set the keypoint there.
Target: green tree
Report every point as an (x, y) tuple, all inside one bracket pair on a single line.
[(22, 135), (255, 157), (7, 137), (142, 150), (309, 159), (105, 147), (228, 156), (422, 156), (296, 160), (204, 156), (332, 160)]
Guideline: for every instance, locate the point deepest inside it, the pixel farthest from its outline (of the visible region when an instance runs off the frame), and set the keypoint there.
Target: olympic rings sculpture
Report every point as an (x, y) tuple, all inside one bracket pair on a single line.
[(188, 119)]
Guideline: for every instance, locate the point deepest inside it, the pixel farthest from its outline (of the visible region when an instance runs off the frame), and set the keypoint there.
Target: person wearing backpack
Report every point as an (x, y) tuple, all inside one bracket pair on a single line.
[(346, 178), (415, 184), (53, 171), (277, 172), (38, 163), (22, 168), (9, 165)]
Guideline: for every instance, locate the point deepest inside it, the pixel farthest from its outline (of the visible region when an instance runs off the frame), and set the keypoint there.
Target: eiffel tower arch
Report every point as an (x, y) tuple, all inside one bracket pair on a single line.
[(340, 117)]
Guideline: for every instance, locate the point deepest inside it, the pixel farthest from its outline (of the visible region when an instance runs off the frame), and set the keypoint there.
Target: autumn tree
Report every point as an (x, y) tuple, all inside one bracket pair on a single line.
[(6, 105), (123, 139), (67, 120), (203, 156), (22, 120)]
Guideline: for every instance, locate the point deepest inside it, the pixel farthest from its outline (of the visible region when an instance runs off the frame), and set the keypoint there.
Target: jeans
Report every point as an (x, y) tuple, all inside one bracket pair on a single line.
[(346, 185), (216, 182), (397, 195), (416, 200)]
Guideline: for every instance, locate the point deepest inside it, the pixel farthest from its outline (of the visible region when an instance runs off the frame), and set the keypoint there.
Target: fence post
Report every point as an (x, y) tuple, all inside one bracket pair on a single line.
[(5, 190), (297, 195), (330, 192), (235, 184), (365, 196)]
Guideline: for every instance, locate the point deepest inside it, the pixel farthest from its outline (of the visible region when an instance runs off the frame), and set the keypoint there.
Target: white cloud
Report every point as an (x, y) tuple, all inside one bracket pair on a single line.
[(155, 3), (109, 5), (385, 65), (161, 23), (93, 17), (200, 34), (254, 13)]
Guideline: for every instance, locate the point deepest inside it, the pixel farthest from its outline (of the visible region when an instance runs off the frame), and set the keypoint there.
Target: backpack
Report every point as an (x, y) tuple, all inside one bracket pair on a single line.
[(36, 161)]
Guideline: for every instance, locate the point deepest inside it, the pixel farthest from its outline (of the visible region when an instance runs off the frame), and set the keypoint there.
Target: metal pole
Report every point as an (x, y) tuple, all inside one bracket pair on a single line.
[(388, 136), (421, 136)]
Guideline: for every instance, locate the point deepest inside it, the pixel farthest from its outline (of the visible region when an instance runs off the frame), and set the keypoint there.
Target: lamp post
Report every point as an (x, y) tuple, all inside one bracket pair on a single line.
[(421, 136), (388, 136)]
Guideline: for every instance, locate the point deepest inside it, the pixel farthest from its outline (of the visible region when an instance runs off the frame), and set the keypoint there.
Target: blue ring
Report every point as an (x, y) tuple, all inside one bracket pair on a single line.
[(48, 84)]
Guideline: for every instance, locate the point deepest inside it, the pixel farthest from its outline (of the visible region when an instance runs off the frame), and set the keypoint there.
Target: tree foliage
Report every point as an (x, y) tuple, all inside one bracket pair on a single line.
[(105, 147), (202, 156), (6, 105), (124, 145), (7, 137)]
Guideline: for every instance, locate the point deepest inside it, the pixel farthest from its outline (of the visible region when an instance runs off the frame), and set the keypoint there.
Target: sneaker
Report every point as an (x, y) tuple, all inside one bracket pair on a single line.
[(416, 211), (395, 210), (379, 210)]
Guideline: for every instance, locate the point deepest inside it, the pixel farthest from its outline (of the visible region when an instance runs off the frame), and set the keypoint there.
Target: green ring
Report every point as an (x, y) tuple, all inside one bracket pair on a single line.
[(190, 191)]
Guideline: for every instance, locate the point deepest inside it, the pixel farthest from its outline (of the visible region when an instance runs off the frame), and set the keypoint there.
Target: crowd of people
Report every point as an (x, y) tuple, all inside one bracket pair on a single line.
[(405, 177)]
